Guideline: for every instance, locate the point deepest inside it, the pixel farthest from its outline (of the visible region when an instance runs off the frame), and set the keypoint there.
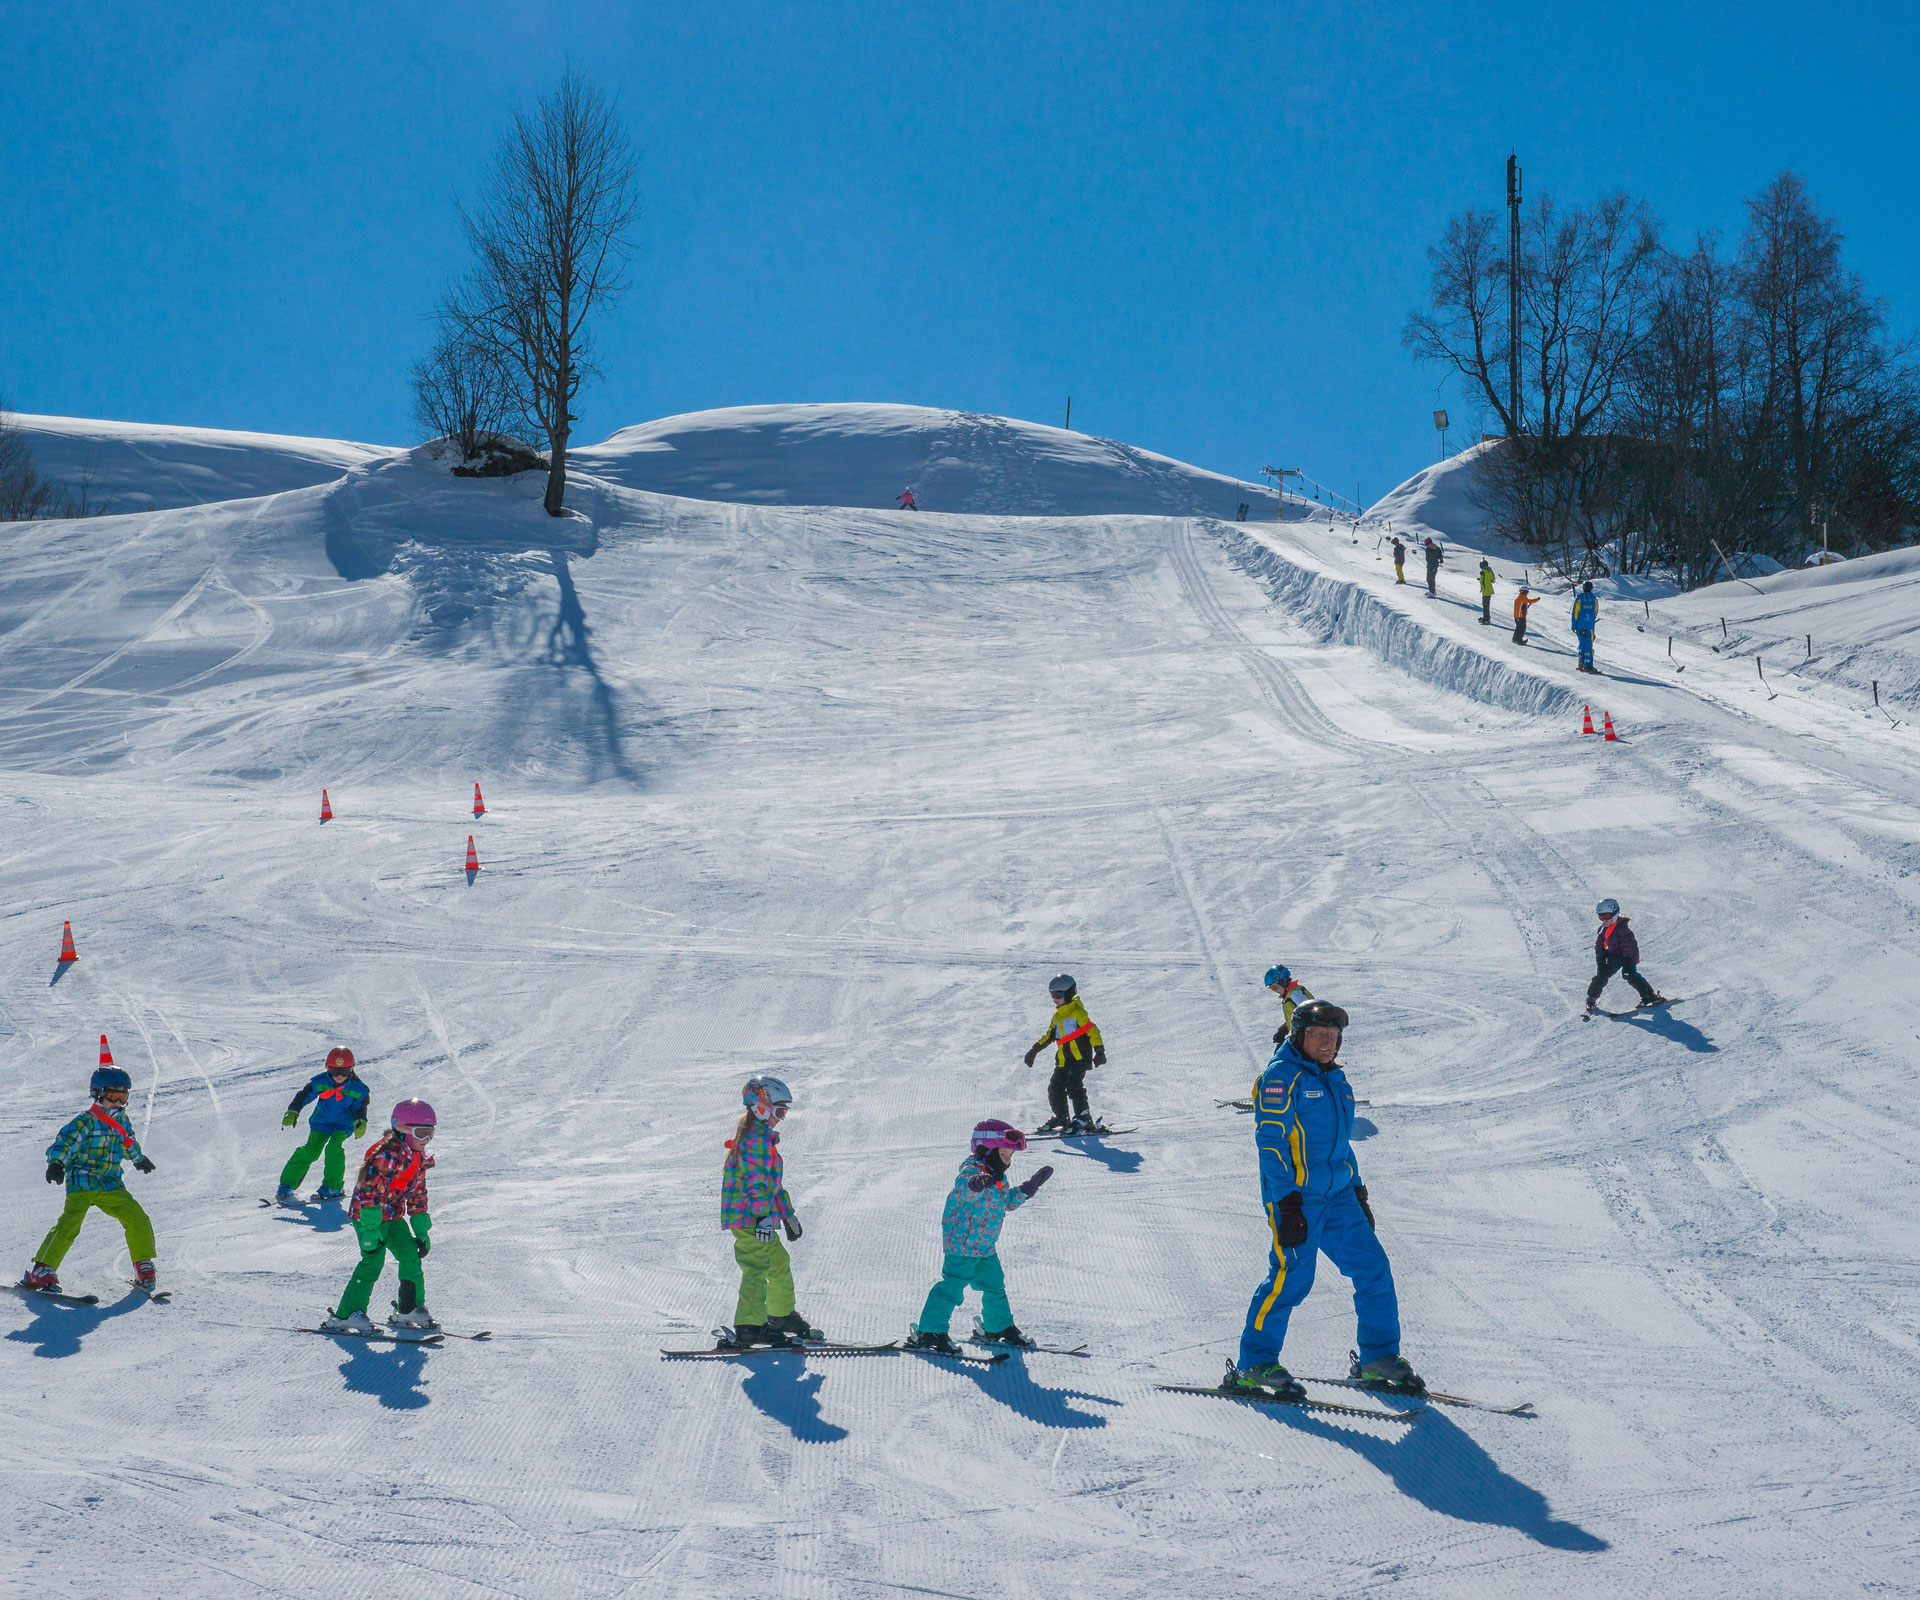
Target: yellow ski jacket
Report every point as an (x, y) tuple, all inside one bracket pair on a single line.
[(1072, 1034)]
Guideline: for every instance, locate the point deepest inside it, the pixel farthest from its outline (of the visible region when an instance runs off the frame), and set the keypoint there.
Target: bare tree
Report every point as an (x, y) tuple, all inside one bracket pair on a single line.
[(24, 494), (1468, 331), (461, 392), (551, 246)]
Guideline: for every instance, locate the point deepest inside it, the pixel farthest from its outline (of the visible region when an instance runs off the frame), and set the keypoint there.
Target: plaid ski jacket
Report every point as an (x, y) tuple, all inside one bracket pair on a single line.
[(752, 1183), (92, 1146), (393, 1179)]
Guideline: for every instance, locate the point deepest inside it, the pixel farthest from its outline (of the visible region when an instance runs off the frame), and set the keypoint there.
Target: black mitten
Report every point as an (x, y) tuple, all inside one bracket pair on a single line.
[(1293, 1222), (1360, 1194), (56, 1172)]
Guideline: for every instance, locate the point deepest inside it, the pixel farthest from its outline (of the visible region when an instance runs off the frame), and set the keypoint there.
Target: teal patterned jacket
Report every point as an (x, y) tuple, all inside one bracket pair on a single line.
[(91, 1148)]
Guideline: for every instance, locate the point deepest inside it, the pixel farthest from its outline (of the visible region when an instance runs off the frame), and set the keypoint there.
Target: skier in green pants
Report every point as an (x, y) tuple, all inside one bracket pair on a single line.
[(755, 1209), (339, 1103), (86, 1156), (389, 1212)]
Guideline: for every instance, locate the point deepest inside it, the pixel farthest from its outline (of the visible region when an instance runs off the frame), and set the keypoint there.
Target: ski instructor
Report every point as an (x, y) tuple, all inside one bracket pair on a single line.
[(1310, 1185)]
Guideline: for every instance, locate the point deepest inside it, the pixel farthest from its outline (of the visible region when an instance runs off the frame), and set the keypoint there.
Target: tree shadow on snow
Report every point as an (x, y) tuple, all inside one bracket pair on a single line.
[(391, 1373), (567, 647), (1438, 1463), (1012, 1385), (1668, 1026), (56, 1329), (785, 1389), (1121, 1161)]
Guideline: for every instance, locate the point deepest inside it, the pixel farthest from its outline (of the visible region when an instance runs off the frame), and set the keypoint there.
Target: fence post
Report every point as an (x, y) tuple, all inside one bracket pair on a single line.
[(1723, 627)]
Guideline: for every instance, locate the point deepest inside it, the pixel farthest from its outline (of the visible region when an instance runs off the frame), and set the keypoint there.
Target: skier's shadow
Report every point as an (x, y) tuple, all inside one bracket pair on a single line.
[(1363, 1128), (1121, 1161), (1012, 1385), (320, 1219), (1668, 1026), (1438, 1463), (391, 1373), (56, 1329), (788, 1391)]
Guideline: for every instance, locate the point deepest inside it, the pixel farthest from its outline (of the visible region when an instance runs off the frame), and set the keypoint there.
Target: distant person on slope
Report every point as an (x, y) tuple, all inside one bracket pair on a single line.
[(1291, 992), (755, 1209), (1486, 593), (1399, 560), (1077, 1051), (86, 1156), (389, 1214), (1435, 555), (1586, 612), (1310, 1185), (1522, 604), (907, 502), (969, 1230), (1616, 950), (339, 1104)]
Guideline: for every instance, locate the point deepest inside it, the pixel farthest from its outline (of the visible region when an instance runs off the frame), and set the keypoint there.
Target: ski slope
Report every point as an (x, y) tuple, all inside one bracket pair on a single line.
[(832, 792)]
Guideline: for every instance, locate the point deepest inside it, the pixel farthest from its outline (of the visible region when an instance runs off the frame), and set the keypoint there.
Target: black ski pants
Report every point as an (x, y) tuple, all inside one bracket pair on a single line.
[(1069, 1081), (1627, 970), (1486, 608)]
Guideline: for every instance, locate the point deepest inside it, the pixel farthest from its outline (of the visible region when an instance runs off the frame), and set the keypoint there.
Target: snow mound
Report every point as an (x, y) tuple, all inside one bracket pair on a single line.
[(152, 466), (1438, 500), (864, 455)]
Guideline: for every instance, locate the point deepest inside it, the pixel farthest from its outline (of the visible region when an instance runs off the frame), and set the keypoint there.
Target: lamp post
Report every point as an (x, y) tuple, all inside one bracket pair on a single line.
[(1440, 427)]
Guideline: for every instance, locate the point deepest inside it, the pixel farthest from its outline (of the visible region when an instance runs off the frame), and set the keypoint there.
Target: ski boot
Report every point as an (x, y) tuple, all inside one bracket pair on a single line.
[(1652, 1005), (358, 1323), (41, 1277), (1054, 1125), (796, 1327), (283, 1196), (325, 1193), (146, 1276), (1388, 1374), (408, 1312), (938, 1343), (752, 1336), (1083, 1123), (1266, 1378), (1009, 1335)]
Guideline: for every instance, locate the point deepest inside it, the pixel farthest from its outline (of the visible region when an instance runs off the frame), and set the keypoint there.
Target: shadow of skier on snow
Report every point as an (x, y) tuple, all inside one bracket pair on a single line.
[(788, 1391), (1363, 1128), (1120, 1161), (56, 1329), (391, 1373), (1668, 1026), (1439, 1464), (1012, 1385)]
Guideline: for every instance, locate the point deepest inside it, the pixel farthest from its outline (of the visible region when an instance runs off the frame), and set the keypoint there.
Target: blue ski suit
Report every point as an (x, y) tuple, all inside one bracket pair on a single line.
[(1303, 1122), (1586, 613)]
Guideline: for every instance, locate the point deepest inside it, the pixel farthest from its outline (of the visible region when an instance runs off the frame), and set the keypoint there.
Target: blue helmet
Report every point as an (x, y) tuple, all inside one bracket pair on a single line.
[(1277, 975), (105, 1078), (1607, 908)]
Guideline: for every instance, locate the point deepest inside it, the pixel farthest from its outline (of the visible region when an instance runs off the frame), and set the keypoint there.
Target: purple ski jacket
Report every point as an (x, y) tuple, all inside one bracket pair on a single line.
[(1615, 942)]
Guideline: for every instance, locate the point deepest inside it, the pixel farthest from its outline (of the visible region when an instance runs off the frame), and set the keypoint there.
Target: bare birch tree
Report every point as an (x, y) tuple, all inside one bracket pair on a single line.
[(461, 392), (551, 246)]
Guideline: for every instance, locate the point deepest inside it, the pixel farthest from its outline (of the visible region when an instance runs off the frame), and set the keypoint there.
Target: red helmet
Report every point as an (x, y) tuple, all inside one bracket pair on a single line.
[(339, 1056)]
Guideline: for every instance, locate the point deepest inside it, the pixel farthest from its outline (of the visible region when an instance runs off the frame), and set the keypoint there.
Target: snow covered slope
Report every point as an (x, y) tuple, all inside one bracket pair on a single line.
[(832, 793), (150, 466), (865, 455)]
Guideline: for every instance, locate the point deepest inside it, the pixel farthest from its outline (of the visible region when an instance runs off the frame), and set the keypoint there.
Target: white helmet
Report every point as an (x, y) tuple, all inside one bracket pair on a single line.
[(761, 1095), (1607, 908)]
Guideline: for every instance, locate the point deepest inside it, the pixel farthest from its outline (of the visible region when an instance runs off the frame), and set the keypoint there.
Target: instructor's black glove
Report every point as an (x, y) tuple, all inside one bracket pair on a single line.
[(1099, 1055), (143, 1165), (1032, 1186), (1031, 1054), (1360, 1194), (793, 1227), (56, 1172), (1293, 1222)]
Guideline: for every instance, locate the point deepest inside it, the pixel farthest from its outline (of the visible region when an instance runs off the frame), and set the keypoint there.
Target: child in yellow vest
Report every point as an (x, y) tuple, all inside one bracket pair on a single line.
[(1077, 1049)]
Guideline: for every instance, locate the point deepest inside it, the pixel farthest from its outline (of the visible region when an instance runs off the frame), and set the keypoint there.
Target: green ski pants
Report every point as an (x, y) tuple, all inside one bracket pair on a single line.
[(333, 1170), (958, 1274), (766, 1279), (117, 1203), (395, 1236)]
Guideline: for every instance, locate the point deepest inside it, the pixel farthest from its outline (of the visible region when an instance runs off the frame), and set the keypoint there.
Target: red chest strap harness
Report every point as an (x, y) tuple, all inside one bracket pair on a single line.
[(126, 1136)]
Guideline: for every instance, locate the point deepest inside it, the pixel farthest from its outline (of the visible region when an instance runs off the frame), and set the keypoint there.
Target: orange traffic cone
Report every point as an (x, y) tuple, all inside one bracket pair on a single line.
[(1607, 717), (473, 856), (67, 951), (479, 805), (106, 1055), (326, 810), (1586, 719)]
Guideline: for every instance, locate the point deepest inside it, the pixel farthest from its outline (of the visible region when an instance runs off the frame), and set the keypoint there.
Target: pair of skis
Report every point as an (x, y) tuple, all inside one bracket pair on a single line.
[(427, 1336), (1098, 1131), (1227, 1389), (726, 1351), (1640, 1010), (159, 1297)]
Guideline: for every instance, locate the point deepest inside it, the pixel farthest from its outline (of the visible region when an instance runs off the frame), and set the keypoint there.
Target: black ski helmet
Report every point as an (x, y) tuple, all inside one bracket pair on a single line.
[(1063, 988), (1315, 1014), (105, 1078)]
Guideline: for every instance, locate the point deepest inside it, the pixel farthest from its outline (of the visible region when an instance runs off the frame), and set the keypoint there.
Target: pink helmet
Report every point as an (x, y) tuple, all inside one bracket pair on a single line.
[(993, 1134), (412, 1114)]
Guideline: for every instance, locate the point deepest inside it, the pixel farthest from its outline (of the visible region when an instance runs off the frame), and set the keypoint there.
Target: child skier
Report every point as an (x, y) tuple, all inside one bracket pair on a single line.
[(87, 1153), (1077, 1050), (1486, 594), (1616, 950), (969, 1230), (1399, 560), (339, 1103), (1523, 602), (755, 1209), (389, 1212), (907, 502), (1292, 993)]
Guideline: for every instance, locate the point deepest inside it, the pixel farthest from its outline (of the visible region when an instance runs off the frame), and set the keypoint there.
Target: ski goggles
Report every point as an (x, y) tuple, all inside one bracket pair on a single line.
[(117, 1098), (419, 1135)]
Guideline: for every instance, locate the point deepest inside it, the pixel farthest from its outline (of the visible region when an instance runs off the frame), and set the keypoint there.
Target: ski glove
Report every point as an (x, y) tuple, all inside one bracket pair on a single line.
[(1099, 1055), (1360, 1194), (767, 1229), (1032, 1186), (421, 1245), (793, 1227), (143, 1165), (1032, 1053), (56, 1172), (289, 1119), (370, 1225), (1293, 1222), (360, 1129)]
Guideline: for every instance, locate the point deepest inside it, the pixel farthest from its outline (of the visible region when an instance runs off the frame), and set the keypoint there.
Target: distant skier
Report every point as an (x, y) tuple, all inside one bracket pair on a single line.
[(1077, 1050), (1292, 993), (1310, 1185), (1616, 950), (86, 1156), (389, 1214), (907, 502), (1486, 593), (755, 1209), (1241, 514), (339, 1104), (1435, 555), (1523, 602), (1399, 560), (1586, 612), (969, 1229)]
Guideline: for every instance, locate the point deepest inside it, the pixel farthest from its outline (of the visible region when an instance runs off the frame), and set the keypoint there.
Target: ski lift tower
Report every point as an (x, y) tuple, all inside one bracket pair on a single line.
[(1280, 476)]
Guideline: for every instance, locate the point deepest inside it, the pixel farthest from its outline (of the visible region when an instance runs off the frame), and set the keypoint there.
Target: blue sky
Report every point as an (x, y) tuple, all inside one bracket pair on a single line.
[(1205, 222)]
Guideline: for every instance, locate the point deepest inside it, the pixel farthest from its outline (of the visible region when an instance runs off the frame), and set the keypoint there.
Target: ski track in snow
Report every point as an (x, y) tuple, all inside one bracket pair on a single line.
[(832, 793)]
